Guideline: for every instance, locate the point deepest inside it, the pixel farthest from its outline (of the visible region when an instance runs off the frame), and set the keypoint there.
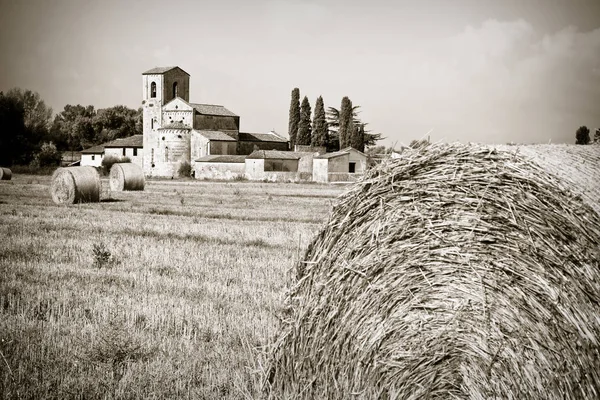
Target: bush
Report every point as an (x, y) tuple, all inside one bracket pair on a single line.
[(582, 135), (47, 156), (109, 160), (185, 169)]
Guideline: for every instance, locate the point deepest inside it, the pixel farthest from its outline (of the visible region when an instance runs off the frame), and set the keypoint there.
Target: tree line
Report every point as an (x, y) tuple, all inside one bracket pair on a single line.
[(30, 134), (582, 136), (334, 129)]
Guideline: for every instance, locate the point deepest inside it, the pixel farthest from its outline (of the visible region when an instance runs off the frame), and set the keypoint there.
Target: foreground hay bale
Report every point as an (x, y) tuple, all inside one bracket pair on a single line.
[(453, 272), (75, 185), (5, 174), (126, 176)]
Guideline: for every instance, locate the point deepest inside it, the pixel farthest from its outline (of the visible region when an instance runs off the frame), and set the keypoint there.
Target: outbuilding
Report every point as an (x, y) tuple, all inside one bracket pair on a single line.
[(344, 165)]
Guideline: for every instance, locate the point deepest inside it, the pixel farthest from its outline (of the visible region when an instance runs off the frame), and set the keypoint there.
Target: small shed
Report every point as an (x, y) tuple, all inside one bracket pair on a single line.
[(130, 147), (272, 165), (227, 167), (343, 165), (92, 156), (208, 143)]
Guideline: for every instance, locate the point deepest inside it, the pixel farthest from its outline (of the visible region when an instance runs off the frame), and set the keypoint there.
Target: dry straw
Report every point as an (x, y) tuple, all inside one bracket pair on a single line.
[(75, 185), (5, 174), (455, 271), (126, 176)]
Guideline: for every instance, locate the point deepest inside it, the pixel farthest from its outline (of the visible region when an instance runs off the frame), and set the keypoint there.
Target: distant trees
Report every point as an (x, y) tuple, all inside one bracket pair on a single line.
[(47, 156), (24, 121), (294, 120), (582, 136), (304, 128), (319, 129), (333, 120)]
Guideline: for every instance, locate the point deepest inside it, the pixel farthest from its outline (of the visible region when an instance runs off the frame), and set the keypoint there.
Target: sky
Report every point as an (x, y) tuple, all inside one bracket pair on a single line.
[(524, 71)]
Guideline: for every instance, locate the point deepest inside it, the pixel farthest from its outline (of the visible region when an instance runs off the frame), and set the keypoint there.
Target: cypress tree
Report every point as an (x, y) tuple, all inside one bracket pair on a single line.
[(346, 122), (320, 129), (294, 117), (358, 137), (304, 129)]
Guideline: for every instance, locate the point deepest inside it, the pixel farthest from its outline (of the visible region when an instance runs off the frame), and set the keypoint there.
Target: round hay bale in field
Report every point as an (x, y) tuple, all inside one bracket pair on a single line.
[(455, 271), (5, 174), (126, 176), (75, 185)]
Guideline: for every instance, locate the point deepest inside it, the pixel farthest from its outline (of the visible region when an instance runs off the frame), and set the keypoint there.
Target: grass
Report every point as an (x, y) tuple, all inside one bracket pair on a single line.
[(168, 293)]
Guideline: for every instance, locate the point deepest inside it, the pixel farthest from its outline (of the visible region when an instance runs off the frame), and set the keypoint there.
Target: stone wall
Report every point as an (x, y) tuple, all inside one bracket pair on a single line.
[(245, 148), (227, 171), (216, 123)]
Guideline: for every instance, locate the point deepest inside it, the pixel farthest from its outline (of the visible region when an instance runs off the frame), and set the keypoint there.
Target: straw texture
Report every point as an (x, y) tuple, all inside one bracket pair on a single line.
[(5, 174), (456, 271), (126, 176), (75, 185)]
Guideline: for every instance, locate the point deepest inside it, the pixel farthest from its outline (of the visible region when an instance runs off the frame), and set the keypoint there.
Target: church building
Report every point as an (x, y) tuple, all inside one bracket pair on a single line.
[(177, 131)]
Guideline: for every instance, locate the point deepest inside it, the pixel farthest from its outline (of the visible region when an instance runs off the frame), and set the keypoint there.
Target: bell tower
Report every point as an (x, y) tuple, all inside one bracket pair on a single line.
[(159, 86)]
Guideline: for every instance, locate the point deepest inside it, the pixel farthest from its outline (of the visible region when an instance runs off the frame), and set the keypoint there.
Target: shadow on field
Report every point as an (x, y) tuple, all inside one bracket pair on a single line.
[(111, 201)]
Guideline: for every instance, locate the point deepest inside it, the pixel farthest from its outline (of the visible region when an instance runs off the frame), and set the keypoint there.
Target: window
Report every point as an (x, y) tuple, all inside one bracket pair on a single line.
[(123, 150), (152, 124), (153, 89), (135, 151), (152, 157), (166, 154), (352, 167), (174, 89), (93, 157)]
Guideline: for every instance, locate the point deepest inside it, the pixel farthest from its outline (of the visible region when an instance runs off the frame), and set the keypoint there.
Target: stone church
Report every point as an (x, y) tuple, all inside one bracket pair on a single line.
[(177, 131)]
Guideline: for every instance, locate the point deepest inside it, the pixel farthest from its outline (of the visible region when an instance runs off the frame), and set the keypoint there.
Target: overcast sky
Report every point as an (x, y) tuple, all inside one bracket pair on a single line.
[(469, 70)]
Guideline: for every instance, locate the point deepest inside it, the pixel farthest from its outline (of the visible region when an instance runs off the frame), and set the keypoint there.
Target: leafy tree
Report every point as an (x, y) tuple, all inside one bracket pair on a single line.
[(73, 128), (597, 136), (47, 156), (333, 121), (304, 129), (320, 129), (582, 135), (294, 120), (116, 122), (346, 122), (24, 121), (13, 136), (357, 139)]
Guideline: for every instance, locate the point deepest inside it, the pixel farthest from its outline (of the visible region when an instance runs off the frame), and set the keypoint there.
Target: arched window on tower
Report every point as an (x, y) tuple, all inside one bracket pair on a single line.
[(152, 124), (174, 89), (153, 89)]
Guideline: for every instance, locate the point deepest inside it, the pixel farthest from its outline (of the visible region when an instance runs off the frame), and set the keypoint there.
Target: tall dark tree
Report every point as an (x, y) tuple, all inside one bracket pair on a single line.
[(294, 120), (73, 127), (346, 122), (357, 139), (333, 121), (304, 129), (320, 130), (582, 136)]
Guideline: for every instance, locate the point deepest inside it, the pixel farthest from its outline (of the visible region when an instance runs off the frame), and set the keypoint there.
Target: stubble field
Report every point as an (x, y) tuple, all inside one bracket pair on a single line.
[(168, 293)]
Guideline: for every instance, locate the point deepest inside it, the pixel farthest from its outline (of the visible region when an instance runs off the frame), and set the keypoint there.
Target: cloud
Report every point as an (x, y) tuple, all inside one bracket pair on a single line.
[(502, 81)]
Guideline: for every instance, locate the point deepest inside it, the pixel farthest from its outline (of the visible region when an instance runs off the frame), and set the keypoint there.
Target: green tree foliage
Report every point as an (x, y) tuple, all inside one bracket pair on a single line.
[(582, 136), (294, 120), (47, 156), (24, 119), (304, 129), (320, 131)]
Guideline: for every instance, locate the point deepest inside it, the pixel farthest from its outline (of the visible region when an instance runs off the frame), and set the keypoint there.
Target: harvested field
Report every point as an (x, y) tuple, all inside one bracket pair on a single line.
[(169, 293), (453, 272)]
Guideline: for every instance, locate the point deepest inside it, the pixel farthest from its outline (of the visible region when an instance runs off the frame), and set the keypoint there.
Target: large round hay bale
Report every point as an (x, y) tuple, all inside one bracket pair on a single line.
[(75, 185), (5, 174), (126, 176), (454, 271)]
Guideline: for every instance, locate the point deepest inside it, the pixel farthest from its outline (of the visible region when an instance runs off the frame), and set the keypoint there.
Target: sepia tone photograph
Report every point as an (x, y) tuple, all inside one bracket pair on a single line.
[(300, 199)]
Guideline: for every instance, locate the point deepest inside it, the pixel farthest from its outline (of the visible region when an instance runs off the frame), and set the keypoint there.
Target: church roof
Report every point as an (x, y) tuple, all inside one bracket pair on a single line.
[(131, 141), (274, 154), (261, 137), (94, 150), (212, 109), (216, 135), (160, 70), (225, 158)]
